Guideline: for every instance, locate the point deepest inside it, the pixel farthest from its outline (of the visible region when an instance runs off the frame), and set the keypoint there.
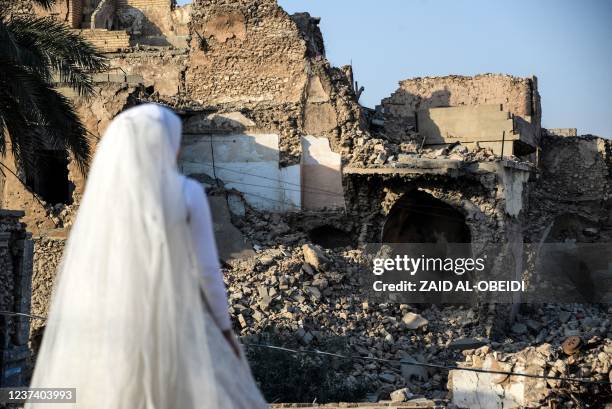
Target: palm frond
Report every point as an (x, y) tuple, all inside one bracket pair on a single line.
[(30, 57), (52, 44), (15, 126), (44, 109), (46, 4)]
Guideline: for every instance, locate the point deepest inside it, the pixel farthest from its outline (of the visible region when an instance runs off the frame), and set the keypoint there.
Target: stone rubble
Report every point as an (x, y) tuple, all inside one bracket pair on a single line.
[(247, 66), (301, 291), (379, 151)]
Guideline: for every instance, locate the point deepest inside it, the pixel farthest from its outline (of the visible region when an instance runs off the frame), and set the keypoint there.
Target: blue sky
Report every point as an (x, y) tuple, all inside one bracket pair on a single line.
[(567, 44)]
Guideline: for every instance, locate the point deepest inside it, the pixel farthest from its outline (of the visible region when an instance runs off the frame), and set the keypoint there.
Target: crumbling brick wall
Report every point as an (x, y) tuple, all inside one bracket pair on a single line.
[(253, 56), (245, 52)]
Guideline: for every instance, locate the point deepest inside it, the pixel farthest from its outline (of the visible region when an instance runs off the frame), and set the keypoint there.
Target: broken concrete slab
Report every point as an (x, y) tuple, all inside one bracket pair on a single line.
[(496, 391)]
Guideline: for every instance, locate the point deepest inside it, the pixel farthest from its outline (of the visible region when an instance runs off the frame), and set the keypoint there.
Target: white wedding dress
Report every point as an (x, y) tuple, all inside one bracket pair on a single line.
[(127, 326)]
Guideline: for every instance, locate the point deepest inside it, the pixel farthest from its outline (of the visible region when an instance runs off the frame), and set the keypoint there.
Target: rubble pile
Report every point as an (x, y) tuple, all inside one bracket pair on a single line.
[(574, 359), (302, 292), (379, 151)]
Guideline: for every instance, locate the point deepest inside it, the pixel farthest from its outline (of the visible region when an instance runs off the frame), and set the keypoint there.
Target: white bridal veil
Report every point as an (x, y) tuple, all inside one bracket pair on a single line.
[(126, 325)]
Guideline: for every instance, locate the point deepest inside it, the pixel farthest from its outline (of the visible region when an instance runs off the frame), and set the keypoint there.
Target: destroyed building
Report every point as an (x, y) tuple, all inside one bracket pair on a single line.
[(288, 155)]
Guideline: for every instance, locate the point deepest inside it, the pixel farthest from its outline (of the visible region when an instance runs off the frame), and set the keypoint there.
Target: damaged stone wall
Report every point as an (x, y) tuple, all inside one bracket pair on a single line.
[(254, 56), (96, 114), (267, 62), (373, 197), (162, 72), (154, 22), (517, 96), (575, 179), (15, 291)]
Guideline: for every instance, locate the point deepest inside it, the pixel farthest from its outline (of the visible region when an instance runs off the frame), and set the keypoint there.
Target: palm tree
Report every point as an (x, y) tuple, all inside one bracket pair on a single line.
[(33, 115)]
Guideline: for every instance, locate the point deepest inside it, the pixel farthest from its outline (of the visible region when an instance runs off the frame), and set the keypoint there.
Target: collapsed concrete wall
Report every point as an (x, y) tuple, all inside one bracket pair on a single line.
[(413, 105)]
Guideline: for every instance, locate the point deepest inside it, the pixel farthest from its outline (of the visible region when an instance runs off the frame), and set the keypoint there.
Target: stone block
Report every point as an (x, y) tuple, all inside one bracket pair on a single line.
[(134, 79), (100, 77), (319, 119), (116, 77)]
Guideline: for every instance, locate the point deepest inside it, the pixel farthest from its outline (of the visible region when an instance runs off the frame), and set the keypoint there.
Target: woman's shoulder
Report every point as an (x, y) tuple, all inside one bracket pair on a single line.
[(194, 191), (192, 184)]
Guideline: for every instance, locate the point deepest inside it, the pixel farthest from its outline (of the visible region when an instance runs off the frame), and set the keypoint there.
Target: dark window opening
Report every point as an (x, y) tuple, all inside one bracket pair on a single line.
[(50, 181), (330, 237)]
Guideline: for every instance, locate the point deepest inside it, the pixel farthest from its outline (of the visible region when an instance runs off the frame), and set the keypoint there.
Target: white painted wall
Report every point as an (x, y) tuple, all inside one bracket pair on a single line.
[(513, 181), (321, 175), (247, 163)]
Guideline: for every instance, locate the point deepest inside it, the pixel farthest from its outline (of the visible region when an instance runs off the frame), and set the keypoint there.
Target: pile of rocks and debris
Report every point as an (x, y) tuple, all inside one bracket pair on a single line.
[(573, 359), (379, 151), (304, 293)]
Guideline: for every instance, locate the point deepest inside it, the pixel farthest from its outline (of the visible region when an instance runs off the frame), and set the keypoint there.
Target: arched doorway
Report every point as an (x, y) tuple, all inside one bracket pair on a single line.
[(421, 226), (418, 217)]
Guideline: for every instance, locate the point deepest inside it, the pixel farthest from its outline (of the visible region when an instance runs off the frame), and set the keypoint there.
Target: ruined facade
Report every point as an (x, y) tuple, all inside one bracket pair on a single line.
[(265, 103), (278, 137), (267, 116), (497, 111), (257, 97)]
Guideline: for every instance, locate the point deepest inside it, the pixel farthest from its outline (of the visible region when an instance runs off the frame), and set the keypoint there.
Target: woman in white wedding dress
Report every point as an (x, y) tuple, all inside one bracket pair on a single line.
[(139, 316)]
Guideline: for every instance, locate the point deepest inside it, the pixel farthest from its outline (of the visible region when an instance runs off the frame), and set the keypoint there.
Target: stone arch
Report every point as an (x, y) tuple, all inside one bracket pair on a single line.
[(418, 217), (421, 225)]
